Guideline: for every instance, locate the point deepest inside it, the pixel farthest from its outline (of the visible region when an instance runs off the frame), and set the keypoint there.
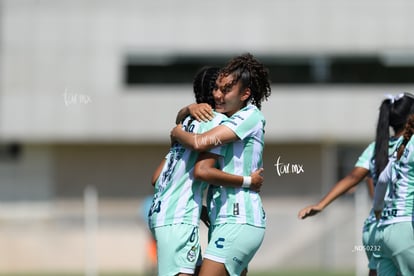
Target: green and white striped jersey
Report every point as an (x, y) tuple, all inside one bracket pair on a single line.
[(366, 160), (178, 196), (242, 157), (399, 199)]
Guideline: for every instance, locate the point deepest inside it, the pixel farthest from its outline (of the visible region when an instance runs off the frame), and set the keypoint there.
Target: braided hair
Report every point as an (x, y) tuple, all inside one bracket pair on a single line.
[(252, 74), (393, 113), (204, 83), (408, 132)]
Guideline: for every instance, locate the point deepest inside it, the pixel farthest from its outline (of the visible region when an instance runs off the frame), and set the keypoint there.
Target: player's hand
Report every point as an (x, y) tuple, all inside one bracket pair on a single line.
[(175, 130), (201, 112), (309, 211), (173, 133), (257, 180)]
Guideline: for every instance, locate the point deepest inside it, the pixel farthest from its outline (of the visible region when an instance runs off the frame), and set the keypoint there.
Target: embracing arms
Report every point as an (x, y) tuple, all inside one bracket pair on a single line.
[(205, 170), (205, 141), (201, 112)]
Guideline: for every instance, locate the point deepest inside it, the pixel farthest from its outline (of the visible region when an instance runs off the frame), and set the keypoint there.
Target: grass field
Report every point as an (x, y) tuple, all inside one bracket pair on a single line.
[(301, 273), (276, 273)]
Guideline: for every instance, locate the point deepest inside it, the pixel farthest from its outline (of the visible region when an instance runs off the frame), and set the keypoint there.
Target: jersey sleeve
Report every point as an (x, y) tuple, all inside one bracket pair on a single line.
[(364, 159), (219, 148), (244, 122)]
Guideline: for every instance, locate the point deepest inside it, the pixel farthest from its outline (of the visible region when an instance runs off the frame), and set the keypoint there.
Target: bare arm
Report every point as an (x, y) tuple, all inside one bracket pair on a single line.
[(205, 170), (202, 142), (201, 112), (341, 187), (370, 185), (157, 172)]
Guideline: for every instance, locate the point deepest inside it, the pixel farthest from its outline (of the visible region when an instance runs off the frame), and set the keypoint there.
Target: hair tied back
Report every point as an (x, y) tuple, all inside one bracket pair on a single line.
[(393, 98)]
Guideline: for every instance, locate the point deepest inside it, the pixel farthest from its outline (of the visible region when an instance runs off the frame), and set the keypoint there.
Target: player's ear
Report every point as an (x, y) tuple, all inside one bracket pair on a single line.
[(245, 94)]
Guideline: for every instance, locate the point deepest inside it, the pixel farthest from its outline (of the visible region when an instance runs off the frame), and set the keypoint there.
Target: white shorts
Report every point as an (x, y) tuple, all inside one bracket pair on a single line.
[(234, 245), (178, 249)]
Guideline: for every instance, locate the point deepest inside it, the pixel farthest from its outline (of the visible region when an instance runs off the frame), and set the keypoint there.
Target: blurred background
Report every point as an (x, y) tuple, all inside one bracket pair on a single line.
[(89, 91)]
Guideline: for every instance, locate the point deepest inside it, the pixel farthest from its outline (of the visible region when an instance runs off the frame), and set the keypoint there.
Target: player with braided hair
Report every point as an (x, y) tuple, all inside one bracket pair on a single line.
[(237, 217), (394, 208), (394, 111), (202, 110), (175, 226)]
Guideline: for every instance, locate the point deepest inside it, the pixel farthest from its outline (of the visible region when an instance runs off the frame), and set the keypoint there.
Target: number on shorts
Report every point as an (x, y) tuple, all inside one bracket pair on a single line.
[(193, 235)]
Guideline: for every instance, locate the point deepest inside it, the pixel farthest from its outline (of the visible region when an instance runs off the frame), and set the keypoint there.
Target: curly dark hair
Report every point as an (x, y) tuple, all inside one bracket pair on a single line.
[(204, 83), (252, 74)]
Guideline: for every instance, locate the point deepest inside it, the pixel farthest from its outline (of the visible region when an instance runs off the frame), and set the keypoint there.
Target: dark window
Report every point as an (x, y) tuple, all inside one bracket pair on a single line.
[(368, 70), (282, 69), (347, 156), (166, 70), (10, 152)]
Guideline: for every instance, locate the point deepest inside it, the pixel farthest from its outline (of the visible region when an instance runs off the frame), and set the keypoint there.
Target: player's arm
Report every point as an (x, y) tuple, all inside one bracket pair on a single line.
[(205, 170), (370, 184), (201, 112), (202, 142), (157, 172), (341, 187)]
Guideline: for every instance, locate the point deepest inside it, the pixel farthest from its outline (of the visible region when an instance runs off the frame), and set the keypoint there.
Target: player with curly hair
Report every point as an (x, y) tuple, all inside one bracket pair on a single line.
[(177, 203), (237, 217), (394, 208)]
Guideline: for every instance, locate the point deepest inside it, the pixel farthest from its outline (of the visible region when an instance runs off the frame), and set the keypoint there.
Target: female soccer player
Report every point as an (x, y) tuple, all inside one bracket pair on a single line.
[(395, 233), (393, 112), (236, 214), (175, 212)]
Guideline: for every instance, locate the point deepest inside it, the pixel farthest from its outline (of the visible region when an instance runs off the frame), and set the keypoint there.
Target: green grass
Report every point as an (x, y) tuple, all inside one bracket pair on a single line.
[(252, 273), (302, 273)]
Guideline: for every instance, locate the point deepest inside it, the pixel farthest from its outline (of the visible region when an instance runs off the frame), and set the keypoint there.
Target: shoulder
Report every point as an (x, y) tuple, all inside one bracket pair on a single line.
[(248, 113), (250, 110), (219, 116), (395, 141), (217, 120), (370, 147), (254, 113)]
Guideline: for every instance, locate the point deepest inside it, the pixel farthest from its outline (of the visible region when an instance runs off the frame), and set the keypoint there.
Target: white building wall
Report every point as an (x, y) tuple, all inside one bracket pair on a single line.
[(301, 114), (54, 53), (29, 177)]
